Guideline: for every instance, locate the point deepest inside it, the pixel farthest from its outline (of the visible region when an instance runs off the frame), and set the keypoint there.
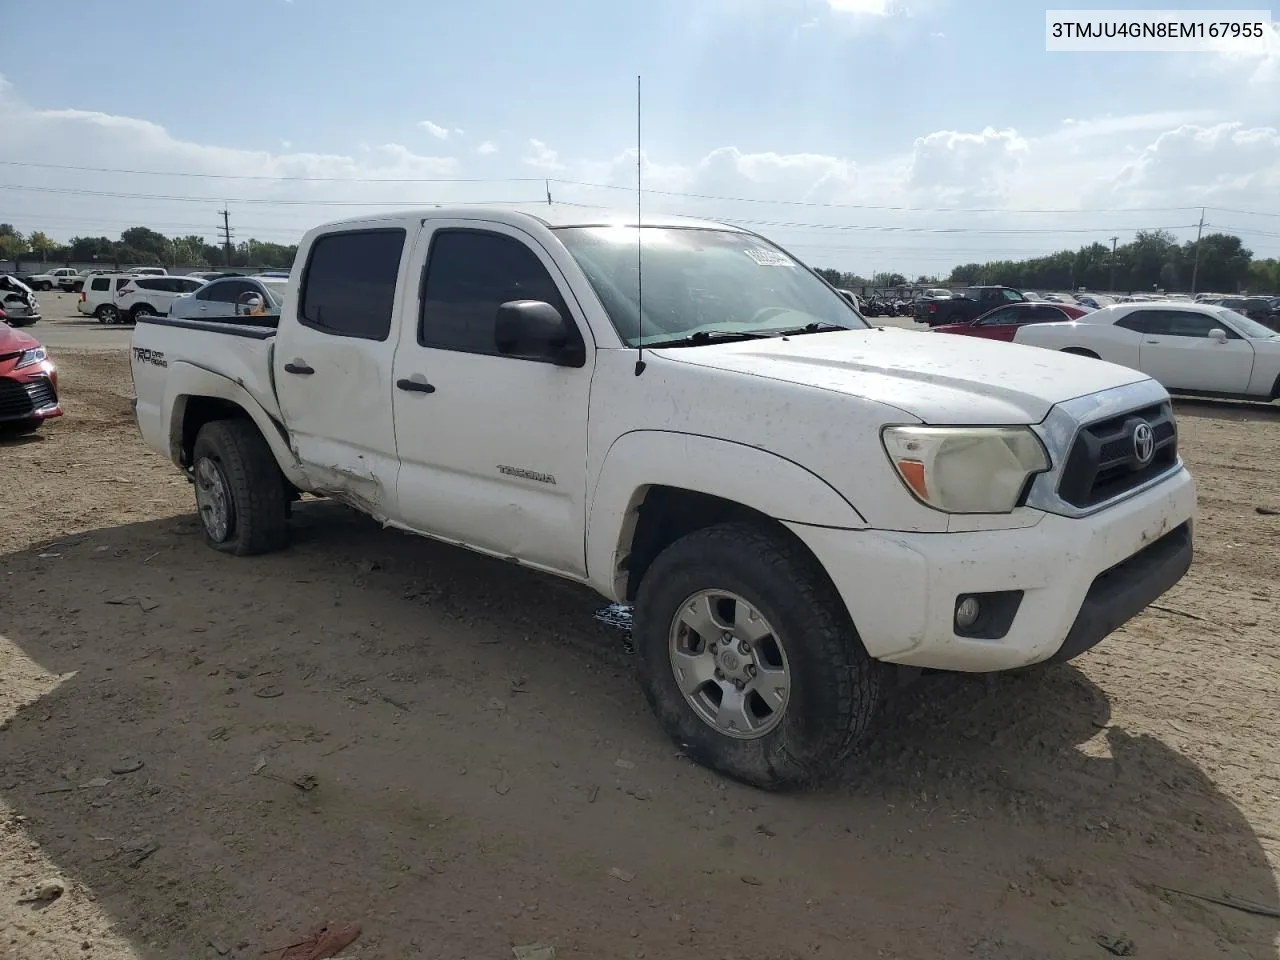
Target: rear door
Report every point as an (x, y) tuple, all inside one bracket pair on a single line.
[(333, 361), (1176, 349), (493, 447)]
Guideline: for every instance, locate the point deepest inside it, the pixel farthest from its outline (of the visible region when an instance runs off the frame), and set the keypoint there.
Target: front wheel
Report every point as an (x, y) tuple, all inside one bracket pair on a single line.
[(240, 492), (141, 310), (749, 659)]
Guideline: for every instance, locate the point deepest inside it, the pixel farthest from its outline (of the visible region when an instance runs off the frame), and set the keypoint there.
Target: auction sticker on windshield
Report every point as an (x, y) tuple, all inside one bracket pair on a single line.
[(767, 258)]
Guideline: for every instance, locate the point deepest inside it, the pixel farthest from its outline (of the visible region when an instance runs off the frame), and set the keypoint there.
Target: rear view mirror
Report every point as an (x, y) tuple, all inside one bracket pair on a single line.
[(1217, 333), (535, 330)]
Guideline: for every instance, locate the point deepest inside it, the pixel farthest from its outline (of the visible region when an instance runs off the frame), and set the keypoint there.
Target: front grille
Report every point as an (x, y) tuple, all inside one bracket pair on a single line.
[(20, 401), (1103, 464)]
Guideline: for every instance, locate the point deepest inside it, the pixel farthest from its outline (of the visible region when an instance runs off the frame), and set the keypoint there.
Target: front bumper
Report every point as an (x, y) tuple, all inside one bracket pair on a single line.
[(1079, 580)]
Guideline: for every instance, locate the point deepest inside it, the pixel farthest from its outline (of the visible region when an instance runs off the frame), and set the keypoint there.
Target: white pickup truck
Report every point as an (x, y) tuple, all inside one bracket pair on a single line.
[(687, 419)]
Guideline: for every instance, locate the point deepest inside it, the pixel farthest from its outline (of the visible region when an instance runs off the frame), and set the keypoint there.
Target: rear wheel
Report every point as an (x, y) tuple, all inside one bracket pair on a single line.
[(749, 659), (241, 494), (141, 310), (107, 313)]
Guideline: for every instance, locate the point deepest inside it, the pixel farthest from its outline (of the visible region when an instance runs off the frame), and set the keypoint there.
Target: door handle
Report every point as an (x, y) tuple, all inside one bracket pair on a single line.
[(416, 386), (1153, 341), (300, 368)]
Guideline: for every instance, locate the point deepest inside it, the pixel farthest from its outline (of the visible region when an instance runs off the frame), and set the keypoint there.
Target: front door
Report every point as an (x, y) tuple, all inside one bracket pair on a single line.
[(493, 448), (1176, 349), (333, 366)]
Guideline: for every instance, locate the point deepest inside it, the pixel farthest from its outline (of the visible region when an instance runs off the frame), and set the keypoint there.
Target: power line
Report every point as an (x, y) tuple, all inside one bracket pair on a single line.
[(611, 186)]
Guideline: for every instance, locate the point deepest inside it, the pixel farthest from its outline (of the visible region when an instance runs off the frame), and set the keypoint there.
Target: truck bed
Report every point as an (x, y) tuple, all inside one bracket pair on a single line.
[(239, 352)]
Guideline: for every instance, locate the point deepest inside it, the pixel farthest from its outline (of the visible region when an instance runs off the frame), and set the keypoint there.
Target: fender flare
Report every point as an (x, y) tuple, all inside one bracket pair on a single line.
[(756, 478), (186, 380)]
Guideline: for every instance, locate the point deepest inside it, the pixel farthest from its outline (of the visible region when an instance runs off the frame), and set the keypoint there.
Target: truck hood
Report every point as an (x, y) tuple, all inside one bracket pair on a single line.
[(939, 380)]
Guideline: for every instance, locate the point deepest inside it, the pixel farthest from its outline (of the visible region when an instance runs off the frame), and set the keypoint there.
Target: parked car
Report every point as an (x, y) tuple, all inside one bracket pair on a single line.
[(489, 376), (966, 304), (143, 296), (28, 382), (1191, 349), (1003, 322), (100, 294), (213, 274), (64, 278), (232, 298), (936, 293), (149, 271), (19, 302)]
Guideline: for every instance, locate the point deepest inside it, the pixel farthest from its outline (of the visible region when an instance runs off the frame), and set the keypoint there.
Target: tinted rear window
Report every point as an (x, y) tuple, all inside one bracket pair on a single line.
[(349, 286)]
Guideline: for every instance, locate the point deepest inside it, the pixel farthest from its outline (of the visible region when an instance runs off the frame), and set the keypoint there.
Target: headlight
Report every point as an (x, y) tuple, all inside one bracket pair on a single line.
[(31, 357), (966, 469)]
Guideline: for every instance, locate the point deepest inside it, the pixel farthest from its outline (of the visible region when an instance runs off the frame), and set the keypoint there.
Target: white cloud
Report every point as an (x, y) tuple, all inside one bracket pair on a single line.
[(875, 8), (434, 129), (896, 211), (459, 131), (949, 168), (543, 157), (1227, 159)]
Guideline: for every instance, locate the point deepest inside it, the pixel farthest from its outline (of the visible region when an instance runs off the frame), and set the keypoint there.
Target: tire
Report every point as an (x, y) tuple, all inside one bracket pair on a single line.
[(107, 313), (232, 456), (45, 286), (141, 310), (1081, 352), (834, 686)]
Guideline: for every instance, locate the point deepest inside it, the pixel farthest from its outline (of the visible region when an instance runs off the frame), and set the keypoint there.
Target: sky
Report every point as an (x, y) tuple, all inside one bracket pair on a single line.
[(864, 135)]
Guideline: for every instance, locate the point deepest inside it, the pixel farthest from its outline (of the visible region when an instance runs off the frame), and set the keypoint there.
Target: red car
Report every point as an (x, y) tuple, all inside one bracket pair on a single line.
[(28, 382), (1003, 322)]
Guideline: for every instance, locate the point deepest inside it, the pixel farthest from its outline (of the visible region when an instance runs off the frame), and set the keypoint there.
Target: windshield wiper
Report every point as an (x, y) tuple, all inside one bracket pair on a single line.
[(702, 337), (810, 328)]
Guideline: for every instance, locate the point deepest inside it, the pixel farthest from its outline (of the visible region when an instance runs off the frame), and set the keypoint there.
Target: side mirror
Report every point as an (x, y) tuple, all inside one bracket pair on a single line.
[(1217, 333), (848, 296), (536, 330)]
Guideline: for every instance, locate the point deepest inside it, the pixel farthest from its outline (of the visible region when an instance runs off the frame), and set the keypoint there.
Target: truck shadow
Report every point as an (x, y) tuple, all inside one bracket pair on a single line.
[(451, 750)]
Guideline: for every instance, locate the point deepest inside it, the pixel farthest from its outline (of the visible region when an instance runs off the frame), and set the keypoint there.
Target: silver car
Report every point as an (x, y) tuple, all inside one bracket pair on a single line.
[(233, 300)]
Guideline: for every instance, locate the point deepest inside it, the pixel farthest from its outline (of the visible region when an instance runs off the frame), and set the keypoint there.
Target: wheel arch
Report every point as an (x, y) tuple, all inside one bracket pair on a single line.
[(199, 396), (652, 490)]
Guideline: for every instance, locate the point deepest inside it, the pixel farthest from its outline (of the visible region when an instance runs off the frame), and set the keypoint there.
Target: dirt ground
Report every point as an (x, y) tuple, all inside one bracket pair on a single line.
[(452, 752)]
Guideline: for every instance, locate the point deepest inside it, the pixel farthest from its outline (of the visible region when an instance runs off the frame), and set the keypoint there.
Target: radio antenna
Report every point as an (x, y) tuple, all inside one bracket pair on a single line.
[(640, 364)]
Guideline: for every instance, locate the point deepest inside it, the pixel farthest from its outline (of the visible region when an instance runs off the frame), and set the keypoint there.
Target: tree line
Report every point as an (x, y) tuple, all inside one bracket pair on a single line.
[(143, 246), (1153, 260)]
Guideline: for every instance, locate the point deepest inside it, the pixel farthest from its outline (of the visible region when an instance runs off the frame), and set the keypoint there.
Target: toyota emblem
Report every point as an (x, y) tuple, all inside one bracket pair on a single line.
[(1144, 443)]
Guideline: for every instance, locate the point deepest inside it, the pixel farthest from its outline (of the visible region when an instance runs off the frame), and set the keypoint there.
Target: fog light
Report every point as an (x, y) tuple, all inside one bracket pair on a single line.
[(967, 611)]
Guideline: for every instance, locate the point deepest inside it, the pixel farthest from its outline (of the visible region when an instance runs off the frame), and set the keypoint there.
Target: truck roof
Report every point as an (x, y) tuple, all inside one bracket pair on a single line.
[(547, 214)]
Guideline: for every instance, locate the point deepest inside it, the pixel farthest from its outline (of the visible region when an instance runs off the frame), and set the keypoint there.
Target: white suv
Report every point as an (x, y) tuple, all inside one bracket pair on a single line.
[(99, 296), (142, 296)]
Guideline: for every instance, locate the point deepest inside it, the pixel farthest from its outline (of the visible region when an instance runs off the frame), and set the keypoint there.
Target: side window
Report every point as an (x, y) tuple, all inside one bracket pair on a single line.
[(1185, 324), (187, 286), (1011, 295), (1042, 314), (1002, 316), (226, 292), (471, 273), (121, 281), (148, 283), (349, 285), (1141, 321), (100, 283)]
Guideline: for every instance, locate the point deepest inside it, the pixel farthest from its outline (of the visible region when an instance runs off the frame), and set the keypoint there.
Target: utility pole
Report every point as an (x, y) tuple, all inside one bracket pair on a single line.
[(1112, 284), (1195, 269), (226, 233)]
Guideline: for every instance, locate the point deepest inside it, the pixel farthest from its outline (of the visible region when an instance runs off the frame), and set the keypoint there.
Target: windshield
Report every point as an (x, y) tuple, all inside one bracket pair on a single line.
[(1249, 328), (697, 280)]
